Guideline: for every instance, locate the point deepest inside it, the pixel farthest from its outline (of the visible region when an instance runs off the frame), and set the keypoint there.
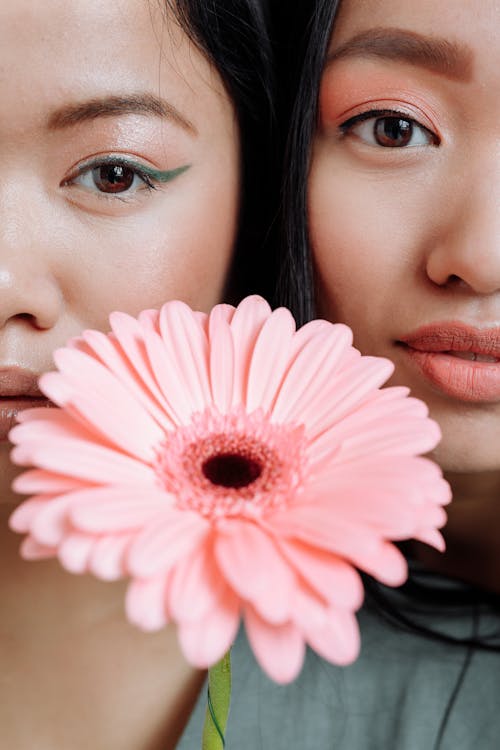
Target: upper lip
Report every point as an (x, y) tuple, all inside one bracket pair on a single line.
[(16, 382), (454, 336)]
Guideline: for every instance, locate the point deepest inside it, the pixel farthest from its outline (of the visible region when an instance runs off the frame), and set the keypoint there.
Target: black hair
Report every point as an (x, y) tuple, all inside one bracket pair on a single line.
[(302, 39), (234, 36)]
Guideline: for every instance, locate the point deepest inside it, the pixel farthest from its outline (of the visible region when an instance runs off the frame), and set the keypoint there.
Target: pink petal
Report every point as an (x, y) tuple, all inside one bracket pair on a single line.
[(387, 564), (332, 577), (54, 386), (84, 460), (48, 423), (337, 640), (252, 564), (150, 319), (175, 391), (279, 649), (74, 552), (318, 526), (345, 392), (145, 603), (107, 405), (432, 537), (102, 510), (270, 360), (182, 332), (130, 338), (50, 525), (206, 641), (108, 350), (107, 559), (31, 550), (38, 480), (161, 545), (320, 350), (246, 324), (385, 511), (221, 359), (23, 516), (196, 585)]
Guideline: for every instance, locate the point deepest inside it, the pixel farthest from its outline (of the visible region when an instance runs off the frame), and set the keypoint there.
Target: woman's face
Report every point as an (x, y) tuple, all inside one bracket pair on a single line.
[(119, 175), (404, 205)]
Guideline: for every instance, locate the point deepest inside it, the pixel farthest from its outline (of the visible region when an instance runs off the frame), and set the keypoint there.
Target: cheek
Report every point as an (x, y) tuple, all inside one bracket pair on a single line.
[(180, 248), (367, 240)]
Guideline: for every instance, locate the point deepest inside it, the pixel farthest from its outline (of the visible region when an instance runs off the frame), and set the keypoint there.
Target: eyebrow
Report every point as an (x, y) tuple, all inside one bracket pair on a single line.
[(70, 115), (438, 55)]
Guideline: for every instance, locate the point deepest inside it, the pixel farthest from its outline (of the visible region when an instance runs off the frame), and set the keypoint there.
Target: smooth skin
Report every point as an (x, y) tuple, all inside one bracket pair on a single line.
[(83, 82), (408, 235)]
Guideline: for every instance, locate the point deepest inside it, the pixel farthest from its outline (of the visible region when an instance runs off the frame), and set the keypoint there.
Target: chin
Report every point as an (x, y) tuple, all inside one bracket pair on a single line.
[(462, 458)]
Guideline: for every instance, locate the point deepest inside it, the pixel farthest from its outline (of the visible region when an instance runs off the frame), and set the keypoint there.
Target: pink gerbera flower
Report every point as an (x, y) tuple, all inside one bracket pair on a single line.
[(232, 467)]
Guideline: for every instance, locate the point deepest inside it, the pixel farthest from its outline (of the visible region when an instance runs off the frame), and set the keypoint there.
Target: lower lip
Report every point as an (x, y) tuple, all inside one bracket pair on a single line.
[(462, 379), (10, 408)]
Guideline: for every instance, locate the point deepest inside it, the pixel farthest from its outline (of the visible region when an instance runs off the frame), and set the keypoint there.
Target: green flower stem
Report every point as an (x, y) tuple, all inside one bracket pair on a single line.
[(219, 698)]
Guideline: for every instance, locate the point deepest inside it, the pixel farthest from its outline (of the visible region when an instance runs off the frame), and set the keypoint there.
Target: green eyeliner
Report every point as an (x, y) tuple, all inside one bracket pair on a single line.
[(158, 175)]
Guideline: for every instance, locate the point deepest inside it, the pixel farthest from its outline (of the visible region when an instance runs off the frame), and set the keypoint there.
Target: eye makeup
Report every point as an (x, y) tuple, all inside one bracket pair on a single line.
[(352, 90), (148, 175)]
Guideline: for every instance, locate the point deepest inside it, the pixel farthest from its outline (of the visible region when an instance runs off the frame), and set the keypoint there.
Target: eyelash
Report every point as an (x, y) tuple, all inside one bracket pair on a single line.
[(347, 127), (150, 178)]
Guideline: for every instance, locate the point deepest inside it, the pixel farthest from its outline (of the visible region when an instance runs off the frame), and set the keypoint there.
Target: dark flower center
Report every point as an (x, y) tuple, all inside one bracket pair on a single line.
[(231, 470)]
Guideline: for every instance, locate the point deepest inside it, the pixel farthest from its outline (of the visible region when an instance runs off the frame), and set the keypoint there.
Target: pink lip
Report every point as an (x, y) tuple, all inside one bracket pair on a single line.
[(18, 391), (431, 349)]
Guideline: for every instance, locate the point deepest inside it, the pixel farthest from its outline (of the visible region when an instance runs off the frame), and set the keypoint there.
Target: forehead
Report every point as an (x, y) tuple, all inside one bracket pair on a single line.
[(476, 22), (63, 49)]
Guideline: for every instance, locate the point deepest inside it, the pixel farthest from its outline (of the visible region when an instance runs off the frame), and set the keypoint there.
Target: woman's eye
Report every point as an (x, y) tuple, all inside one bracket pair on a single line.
[(389, 130), (112, 178)]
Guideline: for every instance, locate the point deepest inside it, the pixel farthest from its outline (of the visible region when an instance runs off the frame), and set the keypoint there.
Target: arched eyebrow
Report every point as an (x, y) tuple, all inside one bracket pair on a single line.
[(438, 55), (75, 113)]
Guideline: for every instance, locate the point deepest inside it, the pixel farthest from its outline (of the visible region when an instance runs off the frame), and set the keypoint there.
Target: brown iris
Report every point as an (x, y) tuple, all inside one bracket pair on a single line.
[(393, 131), (113, 178)]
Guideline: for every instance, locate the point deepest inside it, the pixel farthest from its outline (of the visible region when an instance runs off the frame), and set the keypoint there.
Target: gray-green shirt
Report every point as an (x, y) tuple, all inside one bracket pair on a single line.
[(395, 697)]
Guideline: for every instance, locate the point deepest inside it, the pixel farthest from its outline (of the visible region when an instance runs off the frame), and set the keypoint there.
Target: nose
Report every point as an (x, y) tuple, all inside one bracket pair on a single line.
[(466, 252), (28, 287)]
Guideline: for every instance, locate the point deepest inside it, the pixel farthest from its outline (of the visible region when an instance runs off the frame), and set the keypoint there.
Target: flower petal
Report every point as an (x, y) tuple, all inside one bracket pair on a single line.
[(101, 510), (162, 544), (196, 585), (255, 569), (130, 337), (320, 351), (38, 481), (74, 552), (221, 359), (183, 334), (109, 406), (84, 460), (345, 392), (270, 360), (206, 641), (337, 639), (331, 576), (279, 649), (145, 603), (246, 324), (175, 391), (107, 349), (107, 559), (50, 525), (31, 550), (23, 516)]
